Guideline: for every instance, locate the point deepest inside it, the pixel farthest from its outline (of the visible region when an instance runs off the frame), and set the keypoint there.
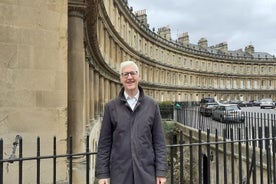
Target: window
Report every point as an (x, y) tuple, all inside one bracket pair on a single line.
[(241, 69), (221, 68), (270, 83), (270, 69), (168, 77), (185, 80), (255, 69), (248, 84), (228, 68), (262, 69), (234, 69), (215, 67), (235, 84)]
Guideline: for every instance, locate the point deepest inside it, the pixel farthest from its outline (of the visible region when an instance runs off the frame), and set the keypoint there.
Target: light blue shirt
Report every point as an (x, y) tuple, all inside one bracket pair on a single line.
[(132, 101)]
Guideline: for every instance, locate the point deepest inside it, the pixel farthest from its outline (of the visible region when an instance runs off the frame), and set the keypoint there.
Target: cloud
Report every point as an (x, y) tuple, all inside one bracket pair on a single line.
[(239, 23)]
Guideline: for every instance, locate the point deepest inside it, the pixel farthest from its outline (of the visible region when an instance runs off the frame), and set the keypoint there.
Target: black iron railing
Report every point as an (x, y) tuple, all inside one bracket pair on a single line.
[(200, 157), (211, 152), (193, 157), (20, 160)]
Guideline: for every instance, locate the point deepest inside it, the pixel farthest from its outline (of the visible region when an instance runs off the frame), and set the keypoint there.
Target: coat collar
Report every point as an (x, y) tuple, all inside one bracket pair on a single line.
[(122, 96)]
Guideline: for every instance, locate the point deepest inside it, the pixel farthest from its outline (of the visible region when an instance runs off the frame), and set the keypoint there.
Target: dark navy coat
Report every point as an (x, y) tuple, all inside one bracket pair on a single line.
[(131, 148)]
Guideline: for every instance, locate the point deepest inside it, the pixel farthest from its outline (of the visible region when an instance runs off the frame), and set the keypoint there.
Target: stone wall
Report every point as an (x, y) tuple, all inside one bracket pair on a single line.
[(33, 77)]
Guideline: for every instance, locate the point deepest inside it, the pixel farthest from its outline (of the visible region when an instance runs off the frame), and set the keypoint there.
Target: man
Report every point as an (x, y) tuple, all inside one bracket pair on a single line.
[(131, 148)]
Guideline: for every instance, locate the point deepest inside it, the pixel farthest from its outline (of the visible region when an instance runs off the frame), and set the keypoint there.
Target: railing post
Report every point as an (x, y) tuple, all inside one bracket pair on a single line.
[(224, 155), (268, 154), (1, 163), (232, 155), (191, 157), (217, 157), (54, 160), (274, 152), (208, 157), (38, 161), (172, 160), (87, 160), (199, 157), (247, 154), (21, 160), (240, 156), (70, 160), (253, 159), (181, 158), (260, 136)]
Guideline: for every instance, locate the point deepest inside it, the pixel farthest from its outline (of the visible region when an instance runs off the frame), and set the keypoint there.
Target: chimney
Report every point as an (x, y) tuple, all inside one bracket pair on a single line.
[(165, 32), (141, 15), (183, 38), (250, 49), (203, 43), (222, 47)]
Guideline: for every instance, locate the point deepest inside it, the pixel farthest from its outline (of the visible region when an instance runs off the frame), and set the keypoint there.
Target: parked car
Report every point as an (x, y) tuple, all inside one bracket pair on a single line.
[(246, 104), (207, 100), (207, 108), (234, 102), (228, 113), (256, 103), (267, 102)]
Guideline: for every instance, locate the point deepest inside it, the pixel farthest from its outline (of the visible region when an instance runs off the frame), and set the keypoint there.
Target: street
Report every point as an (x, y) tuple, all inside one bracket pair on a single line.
[(256, 118)]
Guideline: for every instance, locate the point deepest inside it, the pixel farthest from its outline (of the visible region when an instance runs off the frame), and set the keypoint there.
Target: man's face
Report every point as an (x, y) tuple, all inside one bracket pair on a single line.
[(130, 79)]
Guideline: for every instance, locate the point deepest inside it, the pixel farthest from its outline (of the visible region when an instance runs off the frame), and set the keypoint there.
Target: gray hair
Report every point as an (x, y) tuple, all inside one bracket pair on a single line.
[(128, 63)]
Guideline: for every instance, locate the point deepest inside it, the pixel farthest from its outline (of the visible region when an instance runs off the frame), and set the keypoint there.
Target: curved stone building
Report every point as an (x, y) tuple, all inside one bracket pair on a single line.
[(178, 70), (60, 61)]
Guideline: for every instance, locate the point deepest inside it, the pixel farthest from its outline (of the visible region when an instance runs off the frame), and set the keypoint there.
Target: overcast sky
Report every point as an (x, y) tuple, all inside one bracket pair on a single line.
[(237, 22)]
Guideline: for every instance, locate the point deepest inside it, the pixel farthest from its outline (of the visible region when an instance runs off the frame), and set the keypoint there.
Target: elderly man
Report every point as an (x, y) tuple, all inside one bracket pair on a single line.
[(131, 148)]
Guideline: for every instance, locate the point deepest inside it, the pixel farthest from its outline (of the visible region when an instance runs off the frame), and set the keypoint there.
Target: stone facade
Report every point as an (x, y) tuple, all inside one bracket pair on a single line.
[(182, 71), (33, 77), (59, 63)]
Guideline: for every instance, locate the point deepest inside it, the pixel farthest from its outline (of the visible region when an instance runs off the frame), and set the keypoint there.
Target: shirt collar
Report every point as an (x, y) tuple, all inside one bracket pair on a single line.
[(135, 97)]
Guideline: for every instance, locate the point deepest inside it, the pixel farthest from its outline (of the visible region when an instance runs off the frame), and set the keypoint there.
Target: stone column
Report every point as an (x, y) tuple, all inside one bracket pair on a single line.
[(92, 102), (102, 91), (76, 76), (96, 93), (77, 85), (87, 94), (106, 91), (113, 90)]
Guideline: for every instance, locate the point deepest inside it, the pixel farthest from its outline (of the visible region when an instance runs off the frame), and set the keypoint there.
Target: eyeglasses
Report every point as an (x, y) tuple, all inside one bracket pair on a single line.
[(126, 74)]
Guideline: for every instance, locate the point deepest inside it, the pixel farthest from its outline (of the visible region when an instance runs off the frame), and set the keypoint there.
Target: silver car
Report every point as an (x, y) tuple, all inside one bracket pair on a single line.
[(267, 102), (228, 113)]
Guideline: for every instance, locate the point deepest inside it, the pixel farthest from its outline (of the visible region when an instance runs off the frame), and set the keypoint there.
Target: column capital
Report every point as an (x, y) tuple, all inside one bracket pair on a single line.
[(77, 8)]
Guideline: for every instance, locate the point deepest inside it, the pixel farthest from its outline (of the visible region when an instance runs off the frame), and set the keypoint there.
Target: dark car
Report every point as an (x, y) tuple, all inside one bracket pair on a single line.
[(256, 103), (228, 113), (207, 100), (234, 102), (207, 108), (246, 104)]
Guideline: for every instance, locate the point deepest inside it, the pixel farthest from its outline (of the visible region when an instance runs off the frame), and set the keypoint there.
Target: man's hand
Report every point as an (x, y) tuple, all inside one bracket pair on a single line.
[(103, 181), (160, 180)]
